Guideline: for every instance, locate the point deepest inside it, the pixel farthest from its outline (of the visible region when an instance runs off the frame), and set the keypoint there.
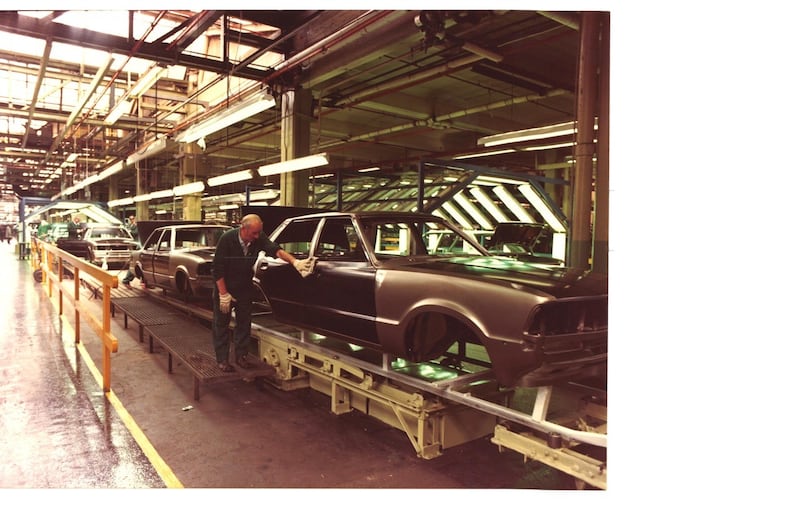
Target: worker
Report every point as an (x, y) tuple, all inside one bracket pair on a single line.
[(75, 228), (236, 253), (43, 229), (134, 231)]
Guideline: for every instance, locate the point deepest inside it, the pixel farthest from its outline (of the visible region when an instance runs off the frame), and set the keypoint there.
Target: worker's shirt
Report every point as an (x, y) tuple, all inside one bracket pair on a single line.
[(233, 260)]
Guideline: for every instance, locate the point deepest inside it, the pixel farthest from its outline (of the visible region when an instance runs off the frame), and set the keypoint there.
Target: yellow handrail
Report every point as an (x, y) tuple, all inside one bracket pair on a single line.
[(46, 256)]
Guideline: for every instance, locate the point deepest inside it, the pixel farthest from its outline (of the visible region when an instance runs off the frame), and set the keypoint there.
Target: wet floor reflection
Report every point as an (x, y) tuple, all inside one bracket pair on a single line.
[(57, 429)]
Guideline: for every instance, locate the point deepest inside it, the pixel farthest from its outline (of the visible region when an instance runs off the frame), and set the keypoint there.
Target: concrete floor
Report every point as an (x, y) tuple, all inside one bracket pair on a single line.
[(60, 431)]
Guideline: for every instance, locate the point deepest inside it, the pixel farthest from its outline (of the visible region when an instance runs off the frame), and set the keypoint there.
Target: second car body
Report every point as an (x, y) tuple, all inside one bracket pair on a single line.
[(179, 257)]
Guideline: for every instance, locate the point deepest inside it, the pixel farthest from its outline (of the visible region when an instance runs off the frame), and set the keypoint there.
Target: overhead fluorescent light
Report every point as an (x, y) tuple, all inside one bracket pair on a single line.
[(121, 202), (512, 204), (113, 169), (161, 211), (229, 206), (147, 80), (485, 154), (535, 133), (301, 163), (455, 214), (190, 188), (72, 157), (266, 194), (235, 113), (117, 111), (141, 197), (366, 170), (473, 211), (164, 193), (542, 208), (488, 204), (551, 146), (230, 178), (151, 149)]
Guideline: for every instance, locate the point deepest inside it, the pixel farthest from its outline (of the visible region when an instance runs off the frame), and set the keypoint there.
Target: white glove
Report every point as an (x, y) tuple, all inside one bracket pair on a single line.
[(225, 303), (262, 258), (305, 267)]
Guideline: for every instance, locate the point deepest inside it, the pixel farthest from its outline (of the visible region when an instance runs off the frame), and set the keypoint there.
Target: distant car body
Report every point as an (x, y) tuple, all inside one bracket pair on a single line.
[(413, 286), (528, 242), (56, 231), (179, 257), (101, 244)]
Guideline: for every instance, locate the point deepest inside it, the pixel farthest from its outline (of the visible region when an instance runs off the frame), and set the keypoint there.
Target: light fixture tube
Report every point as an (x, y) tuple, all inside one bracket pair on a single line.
[(535, 133), (141, 197), (473, 211), (229, 206), (161, 211), (488, 204), (542, 208), (230, 178), (512, 204), (455, 214), (117, 111), (120, 202), (111, 170), (151, 149), (239, 111), (548, 147), (192, 187), (485, 154), (367, 170), (147, 80), (164, 193), (301, 163)]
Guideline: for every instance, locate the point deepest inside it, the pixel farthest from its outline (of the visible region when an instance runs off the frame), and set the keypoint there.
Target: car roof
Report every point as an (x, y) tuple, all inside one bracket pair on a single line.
[(371, 214), (198, 225)]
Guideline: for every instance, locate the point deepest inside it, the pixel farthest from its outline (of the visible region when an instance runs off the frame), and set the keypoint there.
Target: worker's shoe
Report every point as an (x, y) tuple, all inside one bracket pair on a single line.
[(243, 363), (226, 367)]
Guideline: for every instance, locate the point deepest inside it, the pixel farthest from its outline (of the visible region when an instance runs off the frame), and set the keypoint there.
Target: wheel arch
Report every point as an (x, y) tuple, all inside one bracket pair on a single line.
[(430, 328)]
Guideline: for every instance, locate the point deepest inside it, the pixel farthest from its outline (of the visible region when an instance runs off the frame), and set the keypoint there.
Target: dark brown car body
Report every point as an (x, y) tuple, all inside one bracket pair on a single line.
[(381, 282), (179, 257)]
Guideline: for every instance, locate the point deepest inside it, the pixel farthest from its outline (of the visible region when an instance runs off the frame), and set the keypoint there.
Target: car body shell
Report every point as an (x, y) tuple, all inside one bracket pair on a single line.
[(538, 322), (179, 257), (100, 244)]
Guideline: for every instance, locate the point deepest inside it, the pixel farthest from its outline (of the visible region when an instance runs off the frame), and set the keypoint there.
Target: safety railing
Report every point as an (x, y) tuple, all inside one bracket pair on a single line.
[(54, 263)]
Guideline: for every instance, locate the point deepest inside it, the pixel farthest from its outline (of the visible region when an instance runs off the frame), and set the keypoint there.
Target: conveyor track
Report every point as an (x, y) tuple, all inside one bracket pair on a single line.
[(535, 434)]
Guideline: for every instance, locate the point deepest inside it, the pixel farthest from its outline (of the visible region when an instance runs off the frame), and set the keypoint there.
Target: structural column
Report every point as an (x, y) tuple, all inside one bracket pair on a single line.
[(142, 187), (189, 165), (295, 142), (580, 246), (602, 186)]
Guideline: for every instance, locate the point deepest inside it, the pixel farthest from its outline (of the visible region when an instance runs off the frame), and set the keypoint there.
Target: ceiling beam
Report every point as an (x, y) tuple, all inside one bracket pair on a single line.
[(12, 22)]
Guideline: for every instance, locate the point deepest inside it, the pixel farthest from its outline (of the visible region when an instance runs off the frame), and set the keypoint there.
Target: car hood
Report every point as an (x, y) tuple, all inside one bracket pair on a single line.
[(557, 281), (114, 240)]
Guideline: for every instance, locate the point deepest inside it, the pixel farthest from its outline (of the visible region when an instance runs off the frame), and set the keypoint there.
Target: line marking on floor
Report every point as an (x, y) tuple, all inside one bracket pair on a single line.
[(164, 471)]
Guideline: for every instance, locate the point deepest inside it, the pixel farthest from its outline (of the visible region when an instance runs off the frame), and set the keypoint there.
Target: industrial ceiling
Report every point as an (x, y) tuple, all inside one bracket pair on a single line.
[(389, 89)]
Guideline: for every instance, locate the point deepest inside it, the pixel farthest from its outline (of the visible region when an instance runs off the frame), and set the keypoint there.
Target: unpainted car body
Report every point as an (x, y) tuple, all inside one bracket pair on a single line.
[(179, 257), (101, 243), (382, 281), (529, 242)]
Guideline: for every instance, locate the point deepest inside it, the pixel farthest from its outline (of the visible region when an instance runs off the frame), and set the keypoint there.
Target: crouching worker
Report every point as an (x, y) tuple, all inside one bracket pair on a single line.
[(236, 253)]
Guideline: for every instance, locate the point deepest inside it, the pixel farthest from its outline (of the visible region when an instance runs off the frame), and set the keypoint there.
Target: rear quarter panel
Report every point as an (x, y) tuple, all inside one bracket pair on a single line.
[(492, 310)]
